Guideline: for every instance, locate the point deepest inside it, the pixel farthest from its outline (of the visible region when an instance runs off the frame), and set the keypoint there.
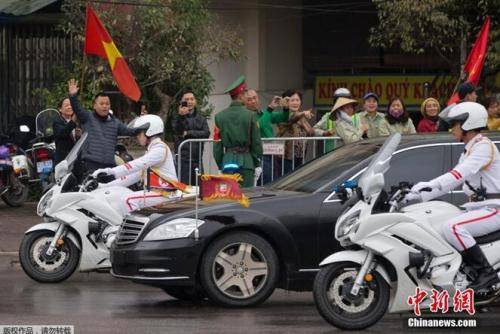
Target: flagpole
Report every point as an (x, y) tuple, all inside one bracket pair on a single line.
[(196, 231), (84, 65)]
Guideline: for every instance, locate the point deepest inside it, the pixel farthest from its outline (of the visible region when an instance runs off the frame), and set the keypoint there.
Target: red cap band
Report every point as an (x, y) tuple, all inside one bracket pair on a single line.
[(238, 89)]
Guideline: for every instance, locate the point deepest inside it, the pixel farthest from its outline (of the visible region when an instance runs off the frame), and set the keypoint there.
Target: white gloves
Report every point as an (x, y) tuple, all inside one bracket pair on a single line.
[(410, 197), (421, 185), (107, 171), (416, 191)]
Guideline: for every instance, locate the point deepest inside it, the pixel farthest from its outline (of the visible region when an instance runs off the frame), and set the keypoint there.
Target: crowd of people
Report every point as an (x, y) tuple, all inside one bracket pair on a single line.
[(241, 126)]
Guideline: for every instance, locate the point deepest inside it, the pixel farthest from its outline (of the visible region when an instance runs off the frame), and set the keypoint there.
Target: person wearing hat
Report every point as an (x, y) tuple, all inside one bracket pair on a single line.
[(341, 92), (325, 127), (372, 118), (239, 149), (430, 109), (347, 125)]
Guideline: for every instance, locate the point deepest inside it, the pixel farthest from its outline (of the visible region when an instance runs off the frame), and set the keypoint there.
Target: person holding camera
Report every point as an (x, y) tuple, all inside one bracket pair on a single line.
[(189, 123), (296, 126), (266, 118)]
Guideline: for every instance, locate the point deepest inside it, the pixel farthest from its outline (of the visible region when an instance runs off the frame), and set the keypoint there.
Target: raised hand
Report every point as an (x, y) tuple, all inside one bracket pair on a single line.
[(73, 87)]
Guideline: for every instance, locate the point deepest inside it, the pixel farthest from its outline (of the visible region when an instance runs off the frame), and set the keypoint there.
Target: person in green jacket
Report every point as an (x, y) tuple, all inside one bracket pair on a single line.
[(375, 120), (266, 118), (240, 148)]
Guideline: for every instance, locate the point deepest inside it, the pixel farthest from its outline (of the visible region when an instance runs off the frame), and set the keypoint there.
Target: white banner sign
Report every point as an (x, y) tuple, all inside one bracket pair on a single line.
[(271, 148)]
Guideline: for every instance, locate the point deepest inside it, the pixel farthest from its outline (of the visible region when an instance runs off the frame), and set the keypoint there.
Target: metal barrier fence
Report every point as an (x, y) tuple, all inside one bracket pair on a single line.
[(274, 163)]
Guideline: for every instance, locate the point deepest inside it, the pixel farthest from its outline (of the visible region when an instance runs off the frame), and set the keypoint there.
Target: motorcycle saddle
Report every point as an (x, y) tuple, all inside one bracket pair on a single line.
[(487, 238)]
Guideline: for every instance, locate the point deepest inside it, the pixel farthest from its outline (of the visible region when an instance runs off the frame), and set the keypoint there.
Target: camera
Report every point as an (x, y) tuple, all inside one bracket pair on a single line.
[(184, 104)]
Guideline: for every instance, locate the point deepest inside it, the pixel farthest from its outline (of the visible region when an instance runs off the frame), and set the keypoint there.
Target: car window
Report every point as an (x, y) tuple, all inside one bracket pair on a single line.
[(417, 164), (321, 171)]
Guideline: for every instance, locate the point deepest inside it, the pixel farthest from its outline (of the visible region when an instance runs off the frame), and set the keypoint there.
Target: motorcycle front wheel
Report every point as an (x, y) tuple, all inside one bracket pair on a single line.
[(339, 307), (43, 268)]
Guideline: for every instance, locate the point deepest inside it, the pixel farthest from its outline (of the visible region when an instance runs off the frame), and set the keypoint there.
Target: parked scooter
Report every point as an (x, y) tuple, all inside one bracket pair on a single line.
[(14, 172), (41, 152), (391, 250)]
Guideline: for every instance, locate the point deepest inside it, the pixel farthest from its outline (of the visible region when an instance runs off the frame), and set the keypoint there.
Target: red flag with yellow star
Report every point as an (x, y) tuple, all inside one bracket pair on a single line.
[(99, 43), (475, 60)]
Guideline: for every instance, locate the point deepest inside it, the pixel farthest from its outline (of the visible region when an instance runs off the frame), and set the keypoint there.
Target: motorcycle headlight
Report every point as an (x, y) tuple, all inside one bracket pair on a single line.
[(174, 229), (44, 203), (348, 224)]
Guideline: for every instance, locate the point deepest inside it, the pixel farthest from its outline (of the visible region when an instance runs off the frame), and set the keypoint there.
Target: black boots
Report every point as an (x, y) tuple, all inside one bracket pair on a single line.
[(486, 275)]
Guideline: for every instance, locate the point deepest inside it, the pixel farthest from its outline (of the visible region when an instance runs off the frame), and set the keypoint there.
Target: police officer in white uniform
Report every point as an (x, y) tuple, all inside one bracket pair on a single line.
[(158, 156), (479, 171)]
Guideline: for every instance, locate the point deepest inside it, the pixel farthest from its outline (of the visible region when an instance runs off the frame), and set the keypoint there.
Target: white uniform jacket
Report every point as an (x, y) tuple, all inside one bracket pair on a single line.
[(158, 155), (479, 164)]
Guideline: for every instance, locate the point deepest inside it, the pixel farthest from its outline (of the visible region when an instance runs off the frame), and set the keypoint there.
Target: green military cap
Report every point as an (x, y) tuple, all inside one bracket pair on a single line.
[(236, 87)]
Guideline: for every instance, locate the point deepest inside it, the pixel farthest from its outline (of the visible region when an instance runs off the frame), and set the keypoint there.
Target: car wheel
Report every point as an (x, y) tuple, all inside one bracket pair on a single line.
[(239, 269), (191, 294)]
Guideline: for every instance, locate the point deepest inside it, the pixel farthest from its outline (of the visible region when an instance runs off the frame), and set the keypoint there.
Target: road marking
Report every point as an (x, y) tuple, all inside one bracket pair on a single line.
[(8, 253)]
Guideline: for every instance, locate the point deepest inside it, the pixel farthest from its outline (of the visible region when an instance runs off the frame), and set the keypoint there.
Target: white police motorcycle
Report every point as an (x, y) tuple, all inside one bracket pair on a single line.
[(390, 251), (80, 224)]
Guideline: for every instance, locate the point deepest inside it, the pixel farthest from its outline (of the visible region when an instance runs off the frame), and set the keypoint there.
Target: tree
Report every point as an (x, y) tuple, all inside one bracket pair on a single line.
[(168, 45), (437, 26)]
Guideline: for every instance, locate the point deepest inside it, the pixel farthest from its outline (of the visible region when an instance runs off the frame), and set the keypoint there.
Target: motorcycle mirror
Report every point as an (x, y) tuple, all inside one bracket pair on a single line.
[(61, 170), (24, 128)]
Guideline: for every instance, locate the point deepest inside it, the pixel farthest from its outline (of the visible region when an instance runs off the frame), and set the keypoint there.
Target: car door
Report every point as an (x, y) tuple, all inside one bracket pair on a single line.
[(411, 164)]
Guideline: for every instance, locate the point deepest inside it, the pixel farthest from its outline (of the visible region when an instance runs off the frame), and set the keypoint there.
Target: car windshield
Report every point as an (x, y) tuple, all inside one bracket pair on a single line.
[(323, 170)]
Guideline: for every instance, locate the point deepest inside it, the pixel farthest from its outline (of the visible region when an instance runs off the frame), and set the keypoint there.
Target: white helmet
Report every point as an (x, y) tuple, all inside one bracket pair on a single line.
[(471, 115), (152, 125), (341, 92)]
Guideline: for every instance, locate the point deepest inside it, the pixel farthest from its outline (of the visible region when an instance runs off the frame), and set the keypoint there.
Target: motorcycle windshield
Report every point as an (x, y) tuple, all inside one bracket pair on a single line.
[(73, 154), (370, 182), (44, 122)]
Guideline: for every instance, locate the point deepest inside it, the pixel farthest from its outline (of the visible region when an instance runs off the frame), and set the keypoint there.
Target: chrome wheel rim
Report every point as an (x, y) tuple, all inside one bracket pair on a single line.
[(240, 270), (338, 293)]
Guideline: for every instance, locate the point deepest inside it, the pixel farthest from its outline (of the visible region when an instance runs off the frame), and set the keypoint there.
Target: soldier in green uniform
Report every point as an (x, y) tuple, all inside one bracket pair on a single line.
[(239, 149)]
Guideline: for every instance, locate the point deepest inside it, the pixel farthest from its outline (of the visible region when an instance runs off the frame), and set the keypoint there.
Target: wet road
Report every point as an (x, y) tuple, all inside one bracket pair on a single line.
[(98, 303)]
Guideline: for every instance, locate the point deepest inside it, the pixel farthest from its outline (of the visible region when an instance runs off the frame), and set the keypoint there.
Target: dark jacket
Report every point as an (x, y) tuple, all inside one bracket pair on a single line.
[(196, 126), (102, 134), (63, 137)]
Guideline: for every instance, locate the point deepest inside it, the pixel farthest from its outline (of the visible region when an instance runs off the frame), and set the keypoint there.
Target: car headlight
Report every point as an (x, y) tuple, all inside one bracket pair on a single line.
[(174, 229), (348, 224), (44, 203)]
